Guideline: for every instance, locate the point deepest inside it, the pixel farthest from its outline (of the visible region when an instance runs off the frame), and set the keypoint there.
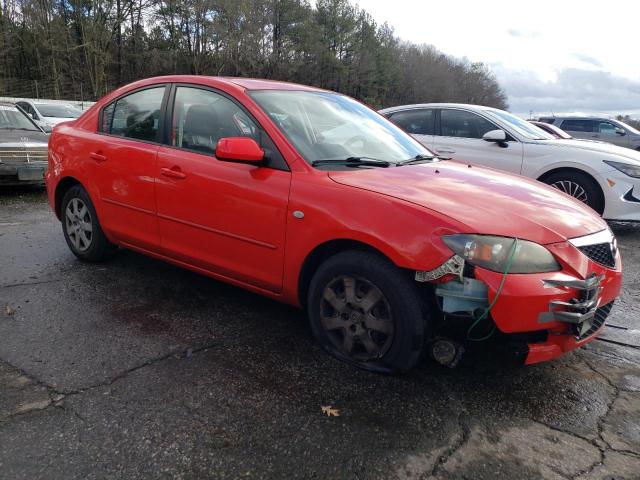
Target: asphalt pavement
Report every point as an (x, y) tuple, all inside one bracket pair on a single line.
[(135, 369)]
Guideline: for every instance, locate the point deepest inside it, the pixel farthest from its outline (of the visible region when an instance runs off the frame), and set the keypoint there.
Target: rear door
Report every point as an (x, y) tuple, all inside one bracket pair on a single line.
[(418, 122), (123, 164), (228, 218), (459, 137), (579, 128)]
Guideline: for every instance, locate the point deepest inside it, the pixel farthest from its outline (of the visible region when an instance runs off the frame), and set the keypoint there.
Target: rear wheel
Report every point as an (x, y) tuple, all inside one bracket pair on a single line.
[(580, 186), (365, 311), (81, 227)]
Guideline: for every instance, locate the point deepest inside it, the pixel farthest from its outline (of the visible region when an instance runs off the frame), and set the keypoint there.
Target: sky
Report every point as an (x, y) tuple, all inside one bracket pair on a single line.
[(562, 56)]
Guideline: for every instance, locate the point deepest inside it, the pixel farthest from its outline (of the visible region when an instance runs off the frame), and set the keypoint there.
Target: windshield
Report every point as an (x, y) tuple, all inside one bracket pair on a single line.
[(327, 126), (629, 127), (12, 119), (522, 127), (59, 111)]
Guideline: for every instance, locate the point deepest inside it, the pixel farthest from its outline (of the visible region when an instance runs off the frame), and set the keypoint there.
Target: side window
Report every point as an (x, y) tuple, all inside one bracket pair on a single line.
[(419, 122), (202, 117), (135, 116), (458, 123), (606, 128), (577, 125), (28, 108)]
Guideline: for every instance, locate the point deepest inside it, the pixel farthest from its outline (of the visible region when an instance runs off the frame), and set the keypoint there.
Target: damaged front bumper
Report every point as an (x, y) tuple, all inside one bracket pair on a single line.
[(580, 311), (553, 312)]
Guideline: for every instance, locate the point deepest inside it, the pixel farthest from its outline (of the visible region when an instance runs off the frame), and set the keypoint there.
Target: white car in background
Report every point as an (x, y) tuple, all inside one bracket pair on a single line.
[(604, 176), (48, 114)]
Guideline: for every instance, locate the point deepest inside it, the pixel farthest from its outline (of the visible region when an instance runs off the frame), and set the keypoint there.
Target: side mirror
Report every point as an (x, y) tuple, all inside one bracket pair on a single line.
[(239, 149), (498, 136), (620, 131)]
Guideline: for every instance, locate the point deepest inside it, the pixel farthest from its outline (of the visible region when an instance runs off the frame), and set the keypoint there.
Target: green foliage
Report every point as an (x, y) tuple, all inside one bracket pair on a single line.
[(85, 48)]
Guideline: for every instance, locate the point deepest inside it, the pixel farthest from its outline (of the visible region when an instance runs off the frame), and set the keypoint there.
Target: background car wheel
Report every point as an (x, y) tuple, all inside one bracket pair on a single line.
[(580, 186), (81, 227), (367, 312)]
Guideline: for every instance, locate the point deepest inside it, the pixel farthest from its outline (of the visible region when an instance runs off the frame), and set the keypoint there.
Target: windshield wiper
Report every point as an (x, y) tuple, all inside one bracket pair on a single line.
[(16, 128), (353, 162), (417, 159)]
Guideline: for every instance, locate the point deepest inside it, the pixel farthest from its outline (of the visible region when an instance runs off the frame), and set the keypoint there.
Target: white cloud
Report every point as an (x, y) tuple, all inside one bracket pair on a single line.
[(574, 90), (534, 47)]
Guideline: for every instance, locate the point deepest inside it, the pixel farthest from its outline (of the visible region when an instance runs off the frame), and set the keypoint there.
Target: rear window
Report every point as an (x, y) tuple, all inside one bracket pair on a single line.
[(417, 122), (135, 116)]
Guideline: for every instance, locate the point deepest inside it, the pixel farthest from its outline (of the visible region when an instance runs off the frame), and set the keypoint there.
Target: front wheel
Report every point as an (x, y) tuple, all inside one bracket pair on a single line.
[(367, 312), (580, 186), (81, 227)]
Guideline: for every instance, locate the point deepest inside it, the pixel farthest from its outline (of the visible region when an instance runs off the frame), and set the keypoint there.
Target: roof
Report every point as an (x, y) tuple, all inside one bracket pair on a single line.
[(577, 117), (438, 105), (236, 82), (264, 84)]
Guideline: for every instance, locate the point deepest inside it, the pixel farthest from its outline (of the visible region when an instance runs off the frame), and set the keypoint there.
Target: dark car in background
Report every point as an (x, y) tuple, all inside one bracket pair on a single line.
[(23, 148), (597, 128), (552, 129)]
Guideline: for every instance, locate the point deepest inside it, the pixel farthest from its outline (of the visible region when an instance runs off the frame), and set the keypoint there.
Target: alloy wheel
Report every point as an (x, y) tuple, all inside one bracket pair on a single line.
[(573, 189), (79, 224), (357, 318)]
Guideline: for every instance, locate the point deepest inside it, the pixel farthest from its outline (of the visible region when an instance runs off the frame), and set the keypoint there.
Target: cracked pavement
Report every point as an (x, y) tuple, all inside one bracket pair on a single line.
[(138, 369)]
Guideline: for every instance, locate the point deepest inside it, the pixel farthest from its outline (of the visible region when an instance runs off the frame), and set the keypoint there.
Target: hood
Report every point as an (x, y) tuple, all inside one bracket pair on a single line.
[(629, 155), (485, 200), (22, 138)]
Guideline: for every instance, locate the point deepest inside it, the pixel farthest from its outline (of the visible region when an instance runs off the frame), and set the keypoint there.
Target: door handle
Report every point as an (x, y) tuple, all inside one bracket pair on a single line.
[(173, 172), (98, 157)]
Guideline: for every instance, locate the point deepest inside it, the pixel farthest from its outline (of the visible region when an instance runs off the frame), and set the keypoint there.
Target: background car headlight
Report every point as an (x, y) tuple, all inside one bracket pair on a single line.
[(493, 253), (626, 168)]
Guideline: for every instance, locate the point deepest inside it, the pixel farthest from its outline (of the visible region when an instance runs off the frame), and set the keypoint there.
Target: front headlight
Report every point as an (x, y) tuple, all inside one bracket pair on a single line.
[(493, 253), (626, 168)]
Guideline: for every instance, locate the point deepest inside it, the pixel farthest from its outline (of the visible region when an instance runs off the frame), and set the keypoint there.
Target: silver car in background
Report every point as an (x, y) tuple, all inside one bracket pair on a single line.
[(23, 148), (598, 128), (49, 114)]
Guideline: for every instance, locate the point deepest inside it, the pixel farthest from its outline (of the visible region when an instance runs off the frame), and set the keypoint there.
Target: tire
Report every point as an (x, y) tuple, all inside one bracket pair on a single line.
[(391, 337), (81, 227), (580, 186)]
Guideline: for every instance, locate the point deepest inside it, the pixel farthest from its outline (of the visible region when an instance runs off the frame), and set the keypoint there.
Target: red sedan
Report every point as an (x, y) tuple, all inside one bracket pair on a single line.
[(311, 198)]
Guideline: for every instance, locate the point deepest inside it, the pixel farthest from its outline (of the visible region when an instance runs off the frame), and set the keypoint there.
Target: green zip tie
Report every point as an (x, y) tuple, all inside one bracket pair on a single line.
[(495, 299)]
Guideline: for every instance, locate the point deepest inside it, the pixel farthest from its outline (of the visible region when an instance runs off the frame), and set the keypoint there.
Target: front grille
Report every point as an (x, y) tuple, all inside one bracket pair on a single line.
[(18, 157), (600, 253), (598, 320)]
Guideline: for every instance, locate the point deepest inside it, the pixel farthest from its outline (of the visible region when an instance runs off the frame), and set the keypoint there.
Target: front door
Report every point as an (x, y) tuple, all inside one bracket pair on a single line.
[(460, 138), (228, 218), (610, 132)]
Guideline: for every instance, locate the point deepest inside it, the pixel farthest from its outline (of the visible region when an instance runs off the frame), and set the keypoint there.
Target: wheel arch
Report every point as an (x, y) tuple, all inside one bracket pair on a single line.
[(542, 178), (553, 171), (323, 251), (62, 188)]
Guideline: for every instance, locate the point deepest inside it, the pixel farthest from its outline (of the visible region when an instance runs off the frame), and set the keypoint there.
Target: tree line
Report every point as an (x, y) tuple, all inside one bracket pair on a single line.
[(85, 48)]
